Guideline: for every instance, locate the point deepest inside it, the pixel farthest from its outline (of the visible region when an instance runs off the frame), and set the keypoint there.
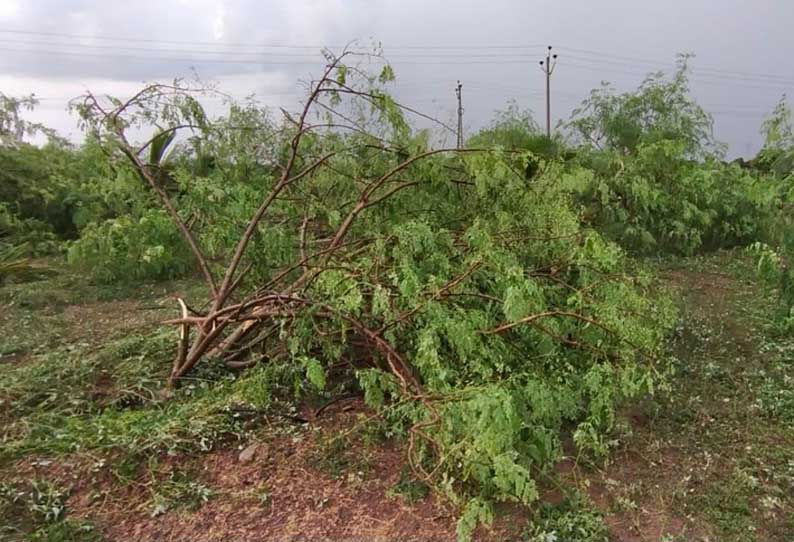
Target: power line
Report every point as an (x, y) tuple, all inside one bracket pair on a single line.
[(602, 57), (236, 53), (154, 58), (251, 44), (288, 55), (705, 79), (700, 74), (695, 72), (656, 62), (248, 61)]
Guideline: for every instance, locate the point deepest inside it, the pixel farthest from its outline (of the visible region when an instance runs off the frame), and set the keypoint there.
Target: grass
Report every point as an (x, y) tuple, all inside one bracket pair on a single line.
[(574, 519), (105, 392), (68, 530), (37, 317), (742, 388), (180, 490), (338, 455), (82, 368), (409, 488), (724, 431), (83, 372), (37, 511)]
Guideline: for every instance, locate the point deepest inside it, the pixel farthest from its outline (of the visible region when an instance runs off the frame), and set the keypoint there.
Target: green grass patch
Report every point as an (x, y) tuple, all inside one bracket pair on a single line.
[(37, 511), (409, 488), (575, 519)]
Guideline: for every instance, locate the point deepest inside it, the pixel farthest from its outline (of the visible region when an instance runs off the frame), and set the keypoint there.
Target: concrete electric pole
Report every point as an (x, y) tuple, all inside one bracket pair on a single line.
[(458, 92), (548, 68)]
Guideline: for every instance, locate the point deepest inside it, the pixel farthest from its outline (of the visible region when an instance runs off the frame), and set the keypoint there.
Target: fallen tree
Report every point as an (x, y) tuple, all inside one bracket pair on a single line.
[(469, 303)]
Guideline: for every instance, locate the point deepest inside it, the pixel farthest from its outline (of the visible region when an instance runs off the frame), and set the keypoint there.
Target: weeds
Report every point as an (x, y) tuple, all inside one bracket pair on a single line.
[(48, 502), (106, 396), (575, 519), (68, 530), (37, 511), (409, 488), (179, 491), (776, 389), (330, 455)]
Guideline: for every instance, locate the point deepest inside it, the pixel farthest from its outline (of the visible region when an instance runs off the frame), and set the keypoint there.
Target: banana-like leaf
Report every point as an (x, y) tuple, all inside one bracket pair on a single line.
[(159, 147), (13, 262)]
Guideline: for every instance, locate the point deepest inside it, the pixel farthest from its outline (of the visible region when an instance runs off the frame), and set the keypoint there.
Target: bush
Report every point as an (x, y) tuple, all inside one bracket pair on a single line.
[(659, 110), (32, 236), (514, 129), (127, 249), (657, 200)]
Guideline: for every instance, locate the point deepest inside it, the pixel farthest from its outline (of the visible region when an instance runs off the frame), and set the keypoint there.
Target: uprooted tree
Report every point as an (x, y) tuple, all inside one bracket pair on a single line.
[(467, 302)]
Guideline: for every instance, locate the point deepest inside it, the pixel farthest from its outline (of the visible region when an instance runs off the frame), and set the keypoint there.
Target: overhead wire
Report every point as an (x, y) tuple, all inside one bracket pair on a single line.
[(256, 44), (265, 56), (307, 55)]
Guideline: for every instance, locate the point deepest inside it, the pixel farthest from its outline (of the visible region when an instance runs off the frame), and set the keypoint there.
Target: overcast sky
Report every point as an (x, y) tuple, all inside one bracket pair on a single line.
[(59, 48)]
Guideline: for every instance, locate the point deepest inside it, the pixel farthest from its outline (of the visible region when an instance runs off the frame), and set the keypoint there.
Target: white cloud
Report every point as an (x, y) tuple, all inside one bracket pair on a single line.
[(9, 9), (219, 23)]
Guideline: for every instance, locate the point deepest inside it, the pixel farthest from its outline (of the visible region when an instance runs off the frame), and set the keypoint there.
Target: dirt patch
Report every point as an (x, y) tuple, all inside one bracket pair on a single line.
[(93, 322), (284, 493), (686, 470), (689, 463)]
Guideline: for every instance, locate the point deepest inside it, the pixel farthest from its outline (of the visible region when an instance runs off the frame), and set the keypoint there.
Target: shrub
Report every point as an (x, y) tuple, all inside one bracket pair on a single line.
[(128, 249), (657, 200)]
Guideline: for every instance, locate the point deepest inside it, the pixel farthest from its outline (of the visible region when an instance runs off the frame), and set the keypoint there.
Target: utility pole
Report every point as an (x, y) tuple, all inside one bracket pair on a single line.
[(548, 68), (458, 92)]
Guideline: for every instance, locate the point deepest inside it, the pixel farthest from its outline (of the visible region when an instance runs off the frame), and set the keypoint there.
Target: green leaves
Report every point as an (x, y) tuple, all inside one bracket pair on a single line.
[(514, 480), (123, 249), (340, 290), (377, 386), (659, 110), (315, 372), (475, 512), (439, 259), (522, 300), (341, 74), (386, 74), (428, 360), (662, 201)]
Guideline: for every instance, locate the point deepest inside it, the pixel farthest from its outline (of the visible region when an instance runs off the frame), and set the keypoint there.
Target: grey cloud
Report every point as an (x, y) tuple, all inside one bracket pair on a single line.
[(744, 41)]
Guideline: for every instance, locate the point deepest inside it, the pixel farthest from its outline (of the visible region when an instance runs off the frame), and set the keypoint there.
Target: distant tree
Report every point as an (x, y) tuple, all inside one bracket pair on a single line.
[(13, 128), (777, 154), (660, 109)]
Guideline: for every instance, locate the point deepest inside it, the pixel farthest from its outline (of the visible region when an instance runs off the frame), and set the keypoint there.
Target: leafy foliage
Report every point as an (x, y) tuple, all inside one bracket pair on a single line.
[(39, 507), (776, 272), (650, 174), (179, 491), (485, 325), (657, 200), (775, 248), (516, 129), (123, 249), (660, 110), (575, 519), (777, 154)]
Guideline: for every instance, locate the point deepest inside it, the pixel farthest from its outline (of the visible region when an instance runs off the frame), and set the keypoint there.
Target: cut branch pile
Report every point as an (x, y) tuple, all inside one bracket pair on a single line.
[(463, 294)]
